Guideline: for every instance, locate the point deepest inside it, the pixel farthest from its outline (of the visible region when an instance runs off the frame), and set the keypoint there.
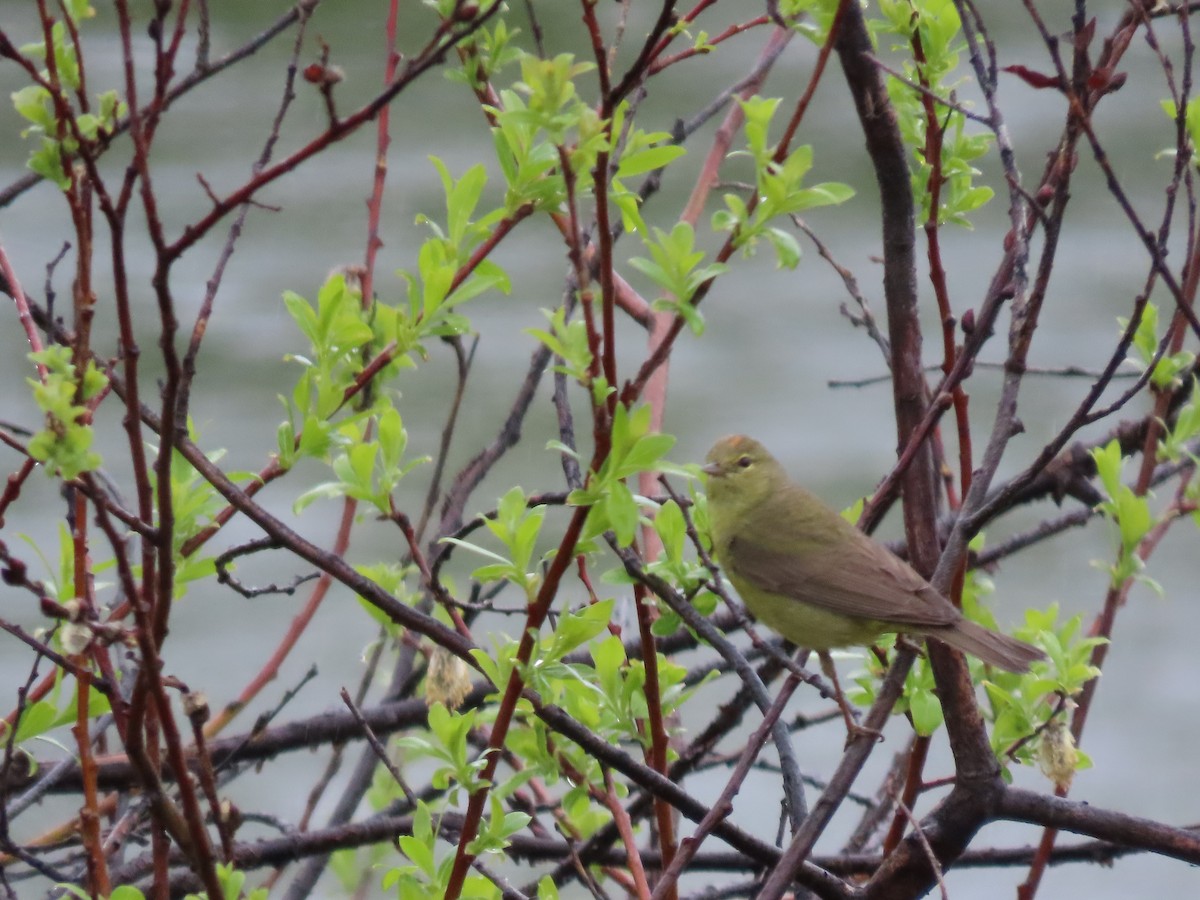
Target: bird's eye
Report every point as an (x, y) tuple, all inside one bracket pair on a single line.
[(745, 462)]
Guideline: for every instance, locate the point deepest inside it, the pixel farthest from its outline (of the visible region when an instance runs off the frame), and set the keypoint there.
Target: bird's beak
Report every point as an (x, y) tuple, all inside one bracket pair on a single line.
[(711, 469)]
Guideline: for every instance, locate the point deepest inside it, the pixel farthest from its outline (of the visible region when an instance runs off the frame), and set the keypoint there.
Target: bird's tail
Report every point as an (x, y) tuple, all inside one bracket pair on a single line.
[(993, 648)]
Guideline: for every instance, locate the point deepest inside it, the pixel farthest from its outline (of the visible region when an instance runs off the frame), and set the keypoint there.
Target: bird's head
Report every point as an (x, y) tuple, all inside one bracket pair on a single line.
[(741, 473)]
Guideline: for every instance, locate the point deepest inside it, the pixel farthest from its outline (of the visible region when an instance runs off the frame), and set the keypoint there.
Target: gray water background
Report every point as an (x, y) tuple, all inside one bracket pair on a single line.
[(774, 339)]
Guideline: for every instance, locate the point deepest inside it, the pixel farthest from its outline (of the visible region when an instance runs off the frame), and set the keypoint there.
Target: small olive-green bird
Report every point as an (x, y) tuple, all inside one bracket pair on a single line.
[(810, 575)]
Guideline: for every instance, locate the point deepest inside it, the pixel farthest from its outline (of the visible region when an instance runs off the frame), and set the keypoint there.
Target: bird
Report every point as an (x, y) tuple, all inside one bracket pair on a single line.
[(814, 578)]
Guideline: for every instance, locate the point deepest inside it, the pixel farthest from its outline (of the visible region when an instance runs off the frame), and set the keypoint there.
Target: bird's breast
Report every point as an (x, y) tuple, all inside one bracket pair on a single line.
[(804, 624)]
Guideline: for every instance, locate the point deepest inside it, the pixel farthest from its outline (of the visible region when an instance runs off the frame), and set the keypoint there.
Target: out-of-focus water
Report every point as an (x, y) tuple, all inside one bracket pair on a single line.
[(774, 338)]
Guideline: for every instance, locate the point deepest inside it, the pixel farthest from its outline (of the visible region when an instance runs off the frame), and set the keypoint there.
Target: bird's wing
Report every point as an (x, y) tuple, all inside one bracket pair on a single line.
[(875, 585)]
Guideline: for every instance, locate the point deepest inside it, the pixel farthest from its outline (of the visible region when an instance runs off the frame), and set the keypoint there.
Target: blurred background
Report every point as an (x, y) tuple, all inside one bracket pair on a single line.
[(775, 340)]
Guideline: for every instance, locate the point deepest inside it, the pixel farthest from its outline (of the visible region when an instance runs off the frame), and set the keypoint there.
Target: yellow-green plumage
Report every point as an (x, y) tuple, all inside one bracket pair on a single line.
[(810, 575)]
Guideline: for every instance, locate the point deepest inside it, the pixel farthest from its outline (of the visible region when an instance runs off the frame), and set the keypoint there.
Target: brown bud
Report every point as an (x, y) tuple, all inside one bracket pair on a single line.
[(13, 573), (466, 12), (316, 73), (230, 814)]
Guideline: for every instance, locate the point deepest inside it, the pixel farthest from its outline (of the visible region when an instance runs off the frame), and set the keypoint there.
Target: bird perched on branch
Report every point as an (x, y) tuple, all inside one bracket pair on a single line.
[(814, 578)]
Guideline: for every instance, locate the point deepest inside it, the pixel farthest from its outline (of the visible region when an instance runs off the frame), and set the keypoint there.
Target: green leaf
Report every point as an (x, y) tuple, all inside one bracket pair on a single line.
[(645, 454), (37, 718), (622, 512), (787, 248), (575, 629), (1108, 466), (33, 104), (64, 445), (648, 160), (671, 529), (926, 712)]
